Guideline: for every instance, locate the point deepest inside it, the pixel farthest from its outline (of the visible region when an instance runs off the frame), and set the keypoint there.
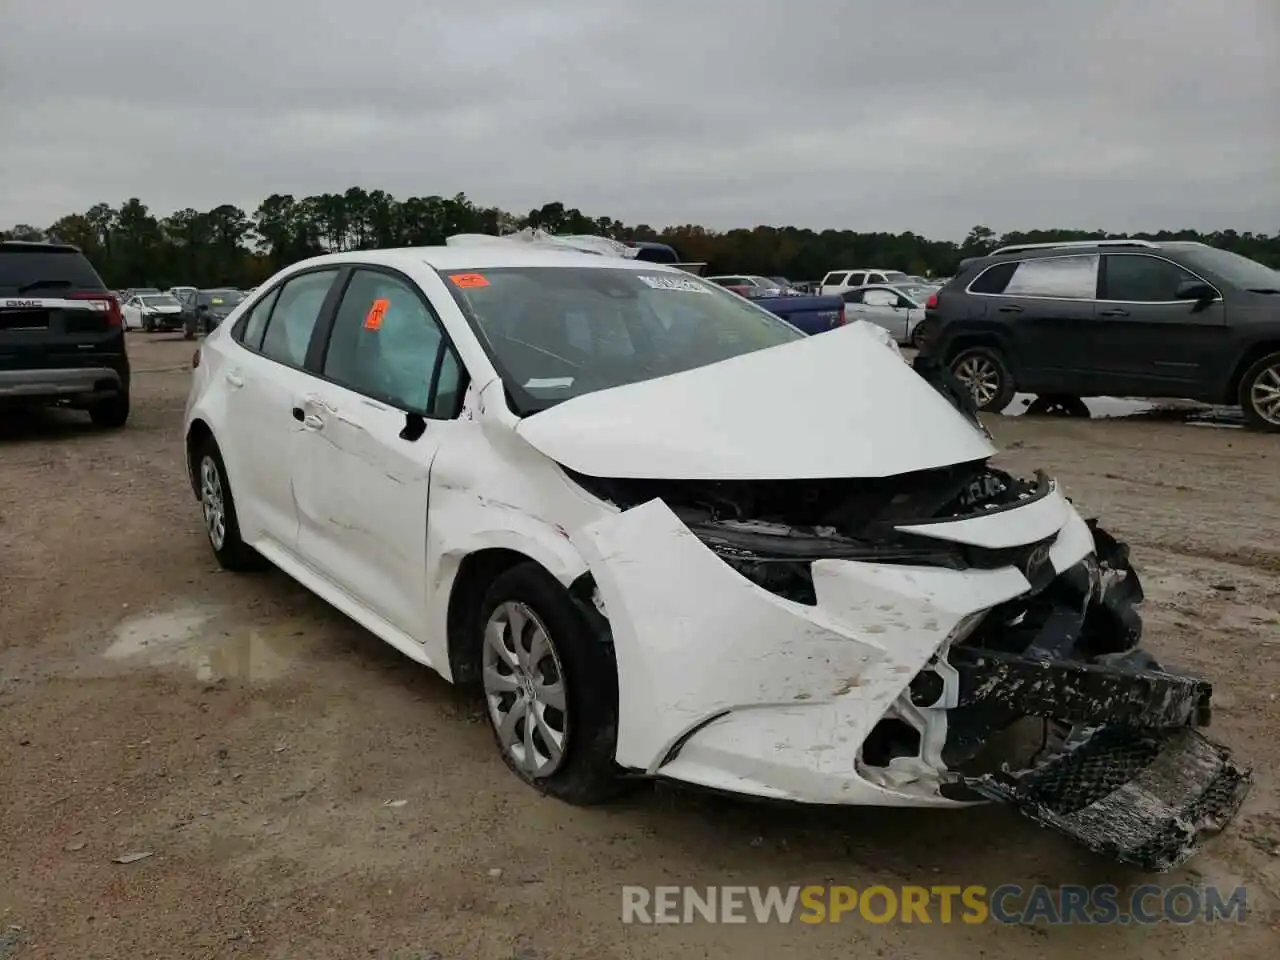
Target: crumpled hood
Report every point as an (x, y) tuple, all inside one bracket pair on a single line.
[(839, 404)]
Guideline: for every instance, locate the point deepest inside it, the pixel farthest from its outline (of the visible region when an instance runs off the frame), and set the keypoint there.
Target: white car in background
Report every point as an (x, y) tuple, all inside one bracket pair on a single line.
[(149, 312), (897, 308), (841, 281), (668, 535)]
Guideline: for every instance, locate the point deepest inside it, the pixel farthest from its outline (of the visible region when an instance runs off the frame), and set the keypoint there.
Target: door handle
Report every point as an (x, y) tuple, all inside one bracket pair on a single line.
[(235, 379), (1113, 313), (309, 420), (1012, 308)]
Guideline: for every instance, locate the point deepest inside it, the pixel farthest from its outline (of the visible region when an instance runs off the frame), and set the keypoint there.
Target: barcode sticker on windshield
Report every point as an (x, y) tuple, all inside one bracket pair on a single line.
[(469, 281), (549, 383), (674, 283)]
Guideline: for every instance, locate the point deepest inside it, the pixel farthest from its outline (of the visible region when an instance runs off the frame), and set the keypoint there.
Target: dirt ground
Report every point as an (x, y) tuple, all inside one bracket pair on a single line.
[(251, 739)]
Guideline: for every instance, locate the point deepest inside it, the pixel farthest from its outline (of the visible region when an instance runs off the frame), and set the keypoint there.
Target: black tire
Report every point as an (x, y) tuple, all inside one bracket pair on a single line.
[(232, 552), (920, 335), (1262, 377), (999, 386), (112, 413), (148, 325), (587, 773)]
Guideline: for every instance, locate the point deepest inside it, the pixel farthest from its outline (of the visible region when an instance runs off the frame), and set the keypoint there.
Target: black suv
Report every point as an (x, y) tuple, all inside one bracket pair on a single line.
[(61, 333), (1130, 318)]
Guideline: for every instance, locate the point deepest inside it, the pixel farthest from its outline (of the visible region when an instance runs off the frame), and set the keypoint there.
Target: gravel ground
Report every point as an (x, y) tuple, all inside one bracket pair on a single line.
[(251, 739)]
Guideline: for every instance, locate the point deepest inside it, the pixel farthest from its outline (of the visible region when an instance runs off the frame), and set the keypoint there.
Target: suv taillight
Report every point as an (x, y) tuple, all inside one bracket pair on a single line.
[(840, 319), (932, 302), (107, 303)]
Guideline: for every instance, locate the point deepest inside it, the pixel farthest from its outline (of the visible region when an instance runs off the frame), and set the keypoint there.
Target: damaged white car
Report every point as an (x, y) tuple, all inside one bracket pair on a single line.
[(670, 536)]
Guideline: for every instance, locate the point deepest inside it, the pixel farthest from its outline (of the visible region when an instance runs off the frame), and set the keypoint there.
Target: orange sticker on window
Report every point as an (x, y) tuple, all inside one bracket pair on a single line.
[(373, 319), (468, 281)]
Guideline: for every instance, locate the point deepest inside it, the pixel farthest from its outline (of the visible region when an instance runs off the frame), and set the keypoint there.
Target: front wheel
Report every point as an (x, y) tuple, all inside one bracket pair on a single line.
[(1260, 394), (550, 688), (984, 371)]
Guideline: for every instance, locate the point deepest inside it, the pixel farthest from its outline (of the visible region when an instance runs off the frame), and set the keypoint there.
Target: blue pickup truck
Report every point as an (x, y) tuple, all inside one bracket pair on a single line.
[(809, 314)]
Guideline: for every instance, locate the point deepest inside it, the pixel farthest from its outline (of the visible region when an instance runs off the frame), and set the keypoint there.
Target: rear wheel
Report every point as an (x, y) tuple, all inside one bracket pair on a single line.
[(550, 688), (111, 413), (1260, 394), (218, 506), (984, 372)]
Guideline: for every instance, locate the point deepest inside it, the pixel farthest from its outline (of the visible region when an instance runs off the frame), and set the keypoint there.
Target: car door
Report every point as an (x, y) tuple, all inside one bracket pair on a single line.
[(879, 305), (1150, 342), (1045, 308), (263, 378), (372, 422), (132, 313)]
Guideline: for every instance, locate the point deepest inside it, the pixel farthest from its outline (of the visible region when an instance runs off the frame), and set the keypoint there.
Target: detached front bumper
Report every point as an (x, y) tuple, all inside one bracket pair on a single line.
[(887, 689)]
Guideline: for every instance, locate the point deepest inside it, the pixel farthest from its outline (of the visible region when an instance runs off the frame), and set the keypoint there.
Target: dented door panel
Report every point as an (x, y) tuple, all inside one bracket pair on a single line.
[(361, 492)]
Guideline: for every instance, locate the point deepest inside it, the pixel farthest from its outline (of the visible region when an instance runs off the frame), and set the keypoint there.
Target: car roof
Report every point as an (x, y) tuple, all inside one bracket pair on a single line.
[(490, 256)]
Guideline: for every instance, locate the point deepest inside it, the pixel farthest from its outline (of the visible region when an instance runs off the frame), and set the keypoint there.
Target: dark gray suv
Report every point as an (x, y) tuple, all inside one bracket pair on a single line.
[(1131, 318)]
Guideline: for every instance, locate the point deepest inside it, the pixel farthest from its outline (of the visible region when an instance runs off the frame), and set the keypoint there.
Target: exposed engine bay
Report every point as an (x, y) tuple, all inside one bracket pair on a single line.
[(1119, 766)]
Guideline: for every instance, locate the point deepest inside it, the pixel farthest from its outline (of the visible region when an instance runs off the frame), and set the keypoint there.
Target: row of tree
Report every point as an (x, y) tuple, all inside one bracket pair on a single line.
[(131, 246)]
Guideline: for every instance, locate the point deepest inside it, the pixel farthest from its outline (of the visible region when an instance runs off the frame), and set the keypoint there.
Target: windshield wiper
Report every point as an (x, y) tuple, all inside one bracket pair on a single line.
[(43, 283), (1271, 290)]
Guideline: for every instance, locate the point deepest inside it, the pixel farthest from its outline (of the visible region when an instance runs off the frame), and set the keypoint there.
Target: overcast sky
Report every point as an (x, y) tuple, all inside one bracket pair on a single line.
[(923, 115)]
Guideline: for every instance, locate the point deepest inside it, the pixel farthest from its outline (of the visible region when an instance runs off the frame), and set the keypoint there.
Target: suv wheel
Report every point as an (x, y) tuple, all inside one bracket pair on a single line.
[(550, 688), (111, 413), (1260, 394), (984, 372)]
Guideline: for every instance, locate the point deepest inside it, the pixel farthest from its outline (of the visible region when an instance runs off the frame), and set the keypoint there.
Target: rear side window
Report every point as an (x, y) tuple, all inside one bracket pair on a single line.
[(1142, 279), (294, 317), (834, 280), (854, 296), (254, 323), (39, 271), (880, 298), (994, 279), (857, 279), (1064, 278)]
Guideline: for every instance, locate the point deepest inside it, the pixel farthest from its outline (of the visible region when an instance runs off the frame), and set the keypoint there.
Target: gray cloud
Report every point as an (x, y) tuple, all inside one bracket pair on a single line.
[(928, 116)]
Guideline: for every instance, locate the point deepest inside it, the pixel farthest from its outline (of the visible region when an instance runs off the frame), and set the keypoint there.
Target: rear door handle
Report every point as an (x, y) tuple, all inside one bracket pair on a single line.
[(235, 380), (1113, 313), (1012, 308)]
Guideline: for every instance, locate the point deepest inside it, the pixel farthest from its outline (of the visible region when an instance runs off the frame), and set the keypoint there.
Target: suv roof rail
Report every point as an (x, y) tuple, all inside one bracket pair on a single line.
[(1019, 247)]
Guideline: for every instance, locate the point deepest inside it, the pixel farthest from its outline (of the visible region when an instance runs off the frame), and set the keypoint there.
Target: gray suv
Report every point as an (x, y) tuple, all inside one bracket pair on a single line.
[(1131, 318)]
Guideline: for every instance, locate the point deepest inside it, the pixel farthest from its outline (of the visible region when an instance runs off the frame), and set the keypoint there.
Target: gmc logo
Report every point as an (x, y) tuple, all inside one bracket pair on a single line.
[(21, 304)]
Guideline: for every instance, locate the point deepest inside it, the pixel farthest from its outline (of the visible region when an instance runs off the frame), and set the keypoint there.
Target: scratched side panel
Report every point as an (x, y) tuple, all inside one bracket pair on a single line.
[(490, 489)]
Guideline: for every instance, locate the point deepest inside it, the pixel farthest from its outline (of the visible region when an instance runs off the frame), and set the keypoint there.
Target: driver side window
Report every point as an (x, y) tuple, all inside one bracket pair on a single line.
[(386, 343)]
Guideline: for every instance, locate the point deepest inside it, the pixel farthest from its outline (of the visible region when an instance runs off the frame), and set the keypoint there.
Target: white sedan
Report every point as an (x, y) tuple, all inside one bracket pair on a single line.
[(665, 533), (897, 308), (152, 311)]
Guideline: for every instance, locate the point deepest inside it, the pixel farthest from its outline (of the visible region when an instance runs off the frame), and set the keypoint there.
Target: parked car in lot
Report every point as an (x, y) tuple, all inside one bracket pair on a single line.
[(1132, 318), (61, 333), (203, 310), (582, 484), (842, 281), (159, 311), (898, 308)]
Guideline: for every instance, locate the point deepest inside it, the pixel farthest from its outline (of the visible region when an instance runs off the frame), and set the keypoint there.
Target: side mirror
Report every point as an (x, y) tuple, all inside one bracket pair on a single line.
[(1195, 290)]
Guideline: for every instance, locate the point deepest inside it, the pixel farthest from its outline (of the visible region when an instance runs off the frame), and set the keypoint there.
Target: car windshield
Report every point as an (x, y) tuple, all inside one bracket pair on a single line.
[(559, 332), (1231, 267), (164, 300)]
